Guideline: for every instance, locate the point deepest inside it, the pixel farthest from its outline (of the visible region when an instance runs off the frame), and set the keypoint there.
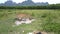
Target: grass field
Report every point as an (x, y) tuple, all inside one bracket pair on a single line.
[(46, 20)]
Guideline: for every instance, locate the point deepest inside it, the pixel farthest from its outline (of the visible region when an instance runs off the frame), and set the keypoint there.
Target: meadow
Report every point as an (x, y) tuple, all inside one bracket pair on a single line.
[(46, 20)]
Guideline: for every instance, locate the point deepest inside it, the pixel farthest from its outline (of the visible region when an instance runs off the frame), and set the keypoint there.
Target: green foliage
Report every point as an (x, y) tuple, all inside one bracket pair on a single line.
[(51, 6), (46, 20)]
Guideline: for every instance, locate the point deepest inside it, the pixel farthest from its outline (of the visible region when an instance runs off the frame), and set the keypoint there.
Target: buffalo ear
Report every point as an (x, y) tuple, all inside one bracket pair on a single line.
[(39, 33)]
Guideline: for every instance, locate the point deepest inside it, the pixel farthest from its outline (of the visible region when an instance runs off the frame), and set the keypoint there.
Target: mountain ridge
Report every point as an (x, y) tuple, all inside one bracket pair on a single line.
[(24, 3)]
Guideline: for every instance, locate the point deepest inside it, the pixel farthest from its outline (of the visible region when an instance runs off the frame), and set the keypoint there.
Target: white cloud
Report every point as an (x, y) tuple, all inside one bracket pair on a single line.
[(18, 1), (49, 1)]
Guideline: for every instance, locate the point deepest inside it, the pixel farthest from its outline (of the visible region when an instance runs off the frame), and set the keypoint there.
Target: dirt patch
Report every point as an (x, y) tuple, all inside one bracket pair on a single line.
[(26, 21), (24, 18)]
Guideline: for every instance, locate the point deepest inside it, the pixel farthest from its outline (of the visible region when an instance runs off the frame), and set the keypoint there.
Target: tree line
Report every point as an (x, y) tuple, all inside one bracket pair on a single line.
[(52, 6)]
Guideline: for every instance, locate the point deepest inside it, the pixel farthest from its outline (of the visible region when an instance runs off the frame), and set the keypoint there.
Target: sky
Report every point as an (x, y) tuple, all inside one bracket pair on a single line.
[(49, 1)]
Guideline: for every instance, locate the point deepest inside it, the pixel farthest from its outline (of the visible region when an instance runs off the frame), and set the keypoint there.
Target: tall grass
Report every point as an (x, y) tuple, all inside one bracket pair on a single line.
[(46, 20)]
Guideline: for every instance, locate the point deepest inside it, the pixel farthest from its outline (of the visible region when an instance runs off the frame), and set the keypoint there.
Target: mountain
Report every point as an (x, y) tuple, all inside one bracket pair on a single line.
[(42, 4), (10, 3), (24, 3), (28, 3)]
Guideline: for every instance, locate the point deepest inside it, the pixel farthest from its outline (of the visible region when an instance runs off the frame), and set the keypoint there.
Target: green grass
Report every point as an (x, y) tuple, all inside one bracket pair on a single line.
[(46, 20)]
